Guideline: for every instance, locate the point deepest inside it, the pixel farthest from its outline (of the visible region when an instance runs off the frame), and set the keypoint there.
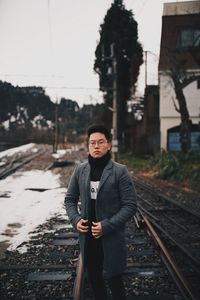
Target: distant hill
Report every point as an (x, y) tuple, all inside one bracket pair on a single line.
[(28, 114), (32, 99)]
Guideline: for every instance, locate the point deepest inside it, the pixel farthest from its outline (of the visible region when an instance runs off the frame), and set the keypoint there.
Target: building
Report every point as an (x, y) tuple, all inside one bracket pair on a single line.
[(145, 124), (179, 56)]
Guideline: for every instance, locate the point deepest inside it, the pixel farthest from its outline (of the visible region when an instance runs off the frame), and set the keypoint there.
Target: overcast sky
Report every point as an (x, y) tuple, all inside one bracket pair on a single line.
[(51, 43)]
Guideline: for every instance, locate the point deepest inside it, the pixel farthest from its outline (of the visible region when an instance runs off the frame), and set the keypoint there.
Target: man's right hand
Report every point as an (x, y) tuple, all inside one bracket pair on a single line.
[(82, 226)]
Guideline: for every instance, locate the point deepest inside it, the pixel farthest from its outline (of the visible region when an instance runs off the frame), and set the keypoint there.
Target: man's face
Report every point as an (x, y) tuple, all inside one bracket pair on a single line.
[(98, 145)]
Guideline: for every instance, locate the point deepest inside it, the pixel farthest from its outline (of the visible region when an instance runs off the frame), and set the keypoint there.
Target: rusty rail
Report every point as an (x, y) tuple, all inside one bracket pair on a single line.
[(170, 260), (78, 293)]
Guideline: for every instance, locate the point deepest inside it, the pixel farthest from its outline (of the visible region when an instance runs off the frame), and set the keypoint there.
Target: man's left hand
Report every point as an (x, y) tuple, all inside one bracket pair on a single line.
[(97, 230)]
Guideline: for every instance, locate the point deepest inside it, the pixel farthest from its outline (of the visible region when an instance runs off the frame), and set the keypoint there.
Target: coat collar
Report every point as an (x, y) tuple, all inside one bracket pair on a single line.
[(106, 173)]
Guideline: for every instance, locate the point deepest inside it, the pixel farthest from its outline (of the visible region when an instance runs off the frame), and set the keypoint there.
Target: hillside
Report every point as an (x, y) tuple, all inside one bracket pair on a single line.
[(27, 114)]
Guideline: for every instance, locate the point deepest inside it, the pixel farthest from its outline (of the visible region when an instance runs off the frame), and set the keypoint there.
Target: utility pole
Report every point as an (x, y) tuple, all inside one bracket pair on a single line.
[(145, 68), (114, 119), (112, 58), (55, 146)]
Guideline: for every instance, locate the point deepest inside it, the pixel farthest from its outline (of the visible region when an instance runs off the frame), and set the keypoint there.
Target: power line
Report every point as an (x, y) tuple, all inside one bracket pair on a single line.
[(50, 87), (49, 25), (31, 75)]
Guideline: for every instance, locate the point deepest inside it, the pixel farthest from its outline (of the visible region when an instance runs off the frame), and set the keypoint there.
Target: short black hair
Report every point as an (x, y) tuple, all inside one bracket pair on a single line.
[(99, 128)]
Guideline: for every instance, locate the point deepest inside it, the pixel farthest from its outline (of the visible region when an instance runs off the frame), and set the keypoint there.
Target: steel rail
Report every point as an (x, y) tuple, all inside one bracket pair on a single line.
[(152, 218), (79, 280), (166, 198), (24, 161), (168, 257)]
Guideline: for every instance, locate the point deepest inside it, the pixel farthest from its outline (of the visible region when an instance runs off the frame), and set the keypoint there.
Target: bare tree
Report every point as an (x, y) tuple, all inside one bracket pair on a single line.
[(181, 78)]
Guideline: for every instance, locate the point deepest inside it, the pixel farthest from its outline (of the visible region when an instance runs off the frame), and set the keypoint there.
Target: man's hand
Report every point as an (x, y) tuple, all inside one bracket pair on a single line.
[(81, 226), (97, 230)]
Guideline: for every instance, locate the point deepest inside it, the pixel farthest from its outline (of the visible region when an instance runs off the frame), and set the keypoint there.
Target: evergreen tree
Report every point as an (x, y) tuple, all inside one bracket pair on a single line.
[(119, 30)]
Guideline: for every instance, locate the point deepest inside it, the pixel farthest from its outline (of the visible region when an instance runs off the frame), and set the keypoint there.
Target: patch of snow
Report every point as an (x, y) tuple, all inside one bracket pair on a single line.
[(28, 208), (59, 153), (2, 163), (12, 119), (12, 151), (6, 124)]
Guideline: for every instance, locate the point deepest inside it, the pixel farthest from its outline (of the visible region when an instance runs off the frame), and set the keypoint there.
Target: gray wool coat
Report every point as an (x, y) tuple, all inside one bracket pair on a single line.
[(116, 204)]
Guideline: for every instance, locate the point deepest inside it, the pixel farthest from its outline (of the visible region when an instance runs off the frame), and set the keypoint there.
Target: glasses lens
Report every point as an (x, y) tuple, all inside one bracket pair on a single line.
[(98, 143)]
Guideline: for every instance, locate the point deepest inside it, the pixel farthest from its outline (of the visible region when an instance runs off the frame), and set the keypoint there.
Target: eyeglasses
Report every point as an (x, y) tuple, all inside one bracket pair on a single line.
[(99, 143)]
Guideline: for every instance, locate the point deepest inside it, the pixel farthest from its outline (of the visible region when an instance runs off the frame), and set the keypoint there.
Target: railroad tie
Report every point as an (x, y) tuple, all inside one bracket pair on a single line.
[(49, 276)]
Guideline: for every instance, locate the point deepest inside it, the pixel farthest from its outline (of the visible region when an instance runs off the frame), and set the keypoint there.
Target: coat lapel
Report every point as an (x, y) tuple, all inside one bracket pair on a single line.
[(106, 173), (85, 190), (86, 178)]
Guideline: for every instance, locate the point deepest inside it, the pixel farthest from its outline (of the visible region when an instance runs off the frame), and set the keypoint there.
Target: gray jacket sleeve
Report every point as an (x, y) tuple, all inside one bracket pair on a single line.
[(71, 200), (128, 203)]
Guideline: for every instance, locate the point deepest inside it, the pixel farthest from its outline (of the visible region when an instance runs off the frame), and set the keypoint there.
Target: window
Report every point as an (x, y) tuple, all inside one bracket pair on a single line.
[(173, 138), (189, 37)]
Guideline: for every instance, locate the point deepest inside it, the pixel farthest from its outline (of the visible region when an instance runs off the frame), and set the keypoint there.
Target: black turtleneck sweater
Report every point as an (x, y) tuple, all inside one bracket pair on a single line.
[(97, 166)]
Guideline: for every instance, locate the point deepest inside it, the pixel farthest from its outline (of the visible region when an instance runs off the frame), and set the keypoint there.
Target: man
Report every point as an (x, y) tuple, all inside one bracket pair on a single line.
[(108, 200)]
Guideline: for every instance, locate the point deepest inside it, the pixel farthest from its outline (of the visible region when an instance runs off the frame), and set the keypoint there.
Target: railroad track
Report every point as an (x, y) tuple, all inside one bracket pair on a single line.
[(163, 250), (16, 162), (47, 269), (152, 272), (179, 228), (52, 268)]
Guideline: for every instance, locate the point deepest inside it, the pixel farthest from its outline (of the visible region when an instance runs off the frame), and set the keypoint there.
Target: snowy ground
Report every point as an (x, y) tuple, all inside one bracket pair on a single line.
[(22, 208), (15, 150)]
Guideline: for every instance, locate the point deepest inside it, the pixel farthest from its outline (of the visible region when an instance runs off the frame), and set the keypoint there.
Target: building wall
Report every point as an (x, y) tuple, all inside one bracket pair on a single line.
[(169, 117), (182, 8), (180, 24), (145, 137)]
